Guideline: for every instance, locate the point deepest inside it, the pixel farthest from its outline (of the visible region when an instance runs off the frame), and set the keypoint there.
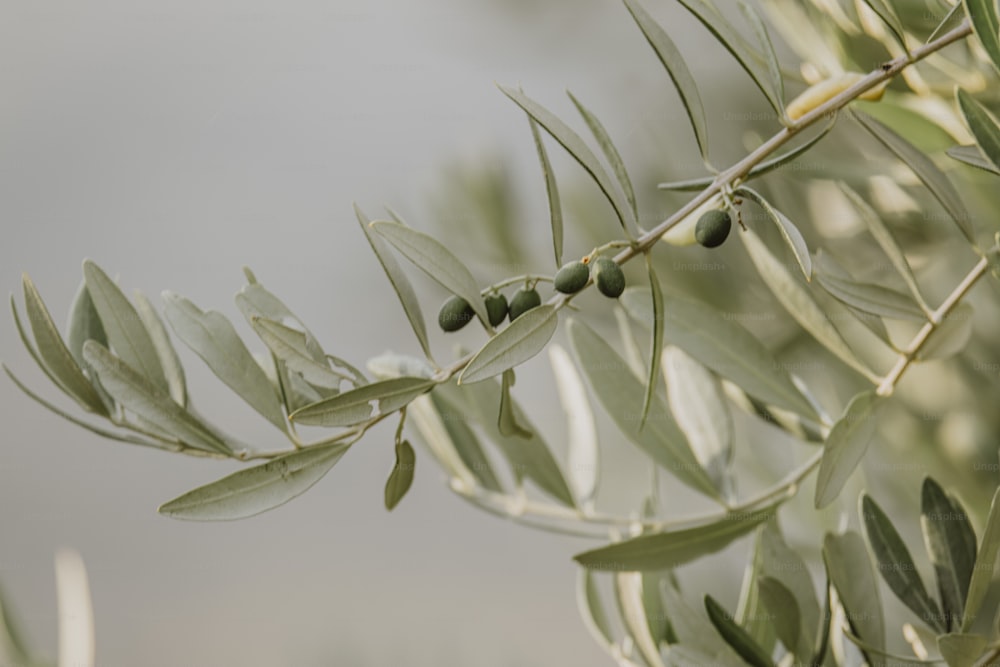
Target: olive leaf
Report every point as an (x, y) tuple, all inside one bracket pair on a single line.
[(985, 565), (972, 156), (868, 298), (925, 169), (507, 420), (951, 545), (697, 640), (629, 593), (523, 339), (292, 347), (983, 124), (846, 446), (986, 25), (887, 14), (401, 477), (84, 324), (673, 62), (13, 648), (551, 192), (751, 612), (952, 19), (767, 49), (171, 363), (400, 283), (583, 458), (950, 336), (735, 636), (784, 610), (254, 301), (436, 261), (588, 602), (355, 406), (255, 490), (825, 265), (656, 342), (783, 564), (850, 572), (789, 232), (961, 650)]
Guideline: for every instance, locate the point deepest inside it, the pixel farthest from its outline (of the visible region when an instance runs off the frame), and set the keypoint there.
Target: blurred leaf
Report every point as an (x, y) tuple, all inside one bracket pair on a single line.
[(784, 564), (972, 156), (13, 649), (751, 611), (391, 365), (846, 446), (671, 548), (292, 347), (826, 266), (620, 392), (523, 339), (850, 571), (723, 345), (462, 439), (84, 324), (630, 346), (583, 457), (76, 611), (355, 406), (629, 591), (54, 353), (400, 283), (925, 169), (507, 421), (986, 559), (213, 338), (401, 476), (435, 260), (784, 610), (960, 650), (951, 545), (576, 147), (767, 48), (171, 363), (986, 25), (889, 17), (866, 297), (896, 565), (136, 393), (951, 335), (823, 640), (126, 333), (789, 232), (736, 636), (983, 124), (255, 490), (591, 610), (551, 192), (799, 303), (699, 641), (951, 20), (656, 342)]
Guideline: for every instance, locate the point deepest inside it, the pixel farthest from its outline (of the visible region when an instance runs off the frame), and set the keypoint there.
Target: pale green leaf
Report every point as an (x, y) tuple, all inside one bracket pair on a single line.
[(629, 591), (698, 642), (84, 324), (583, 459), (850, 571), (950, 21), (735, 636), (523, 339), (171, 363), (846, 446), (507, 420), (961, 650), (258, 489), (825, 265), (656, 342), (751, 611), (588, 602), (983, 124), (887, 14), (254, 301), (951, 335), (355, 406), (951, 545), (551, 192), (401, 477), (452, 425), (292, 347), (767, 49), (972, 156), (783, 609), (986, 560), (784, 564), (986, 25), (867, 298), (789, 232)]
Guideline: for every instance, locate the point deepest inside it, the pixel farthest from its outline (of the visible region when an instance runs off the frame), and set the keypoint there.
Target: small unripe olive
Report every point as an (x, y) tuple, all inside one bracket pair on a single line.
[(713, 228), (523, 301), (455, 314), (496, 308), (571, 278), (609, 277)]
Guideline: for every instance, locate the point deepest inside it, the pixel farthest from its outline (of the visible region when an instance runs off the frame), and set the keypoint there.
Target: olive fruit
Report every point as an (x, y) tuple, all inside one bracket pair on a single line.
[(609, 277), (571, 278), (713, 228), (455, 314), (496, 308), (523, 301)]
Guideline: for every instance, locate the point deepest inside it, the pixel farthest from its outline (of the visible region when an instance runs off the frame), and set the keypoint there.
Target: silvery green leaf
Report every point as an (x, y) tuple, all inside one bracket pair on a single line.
[(767, 48), (54, 354), (825, 265), (400, 283), (868, 298), (972, 156), (672, 548), (507, 420), (673, 62), (951, 545), (611, 153), (588, 601), (986, 560), (962, 650), (702, 412), (576, 147), (784, 564), (850, 572), (126, 333), (735, 636), (986, 25), (451, 426), (951, 336), (789, 232), (723, 345), (551, 191), (629, 593), (846, 446), (698, 642), (620, 392), (783, 609), (656, 342), (523, 339), (983, 124), (401, 477), (355, 406), (84, 324), (896, 565), (435, 260), (751, 613), (430, 425), (172, 368), (291, 346), (355, 376), (254, 300), (583, 459), (391, 365), (800, 303), (925, 169), (630, 346), (887, 14), (138, 394), (214, 339), (950, 21), (255, 490)]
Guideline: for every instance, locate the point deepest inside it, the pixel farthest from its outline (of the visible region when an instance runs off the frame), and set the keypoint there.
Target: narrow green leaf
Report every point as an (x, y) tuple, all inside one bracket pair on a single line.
[(896, 565), (255, 490), (656, 342), (891, 20), (951, 545), (846, 446), (850, 571), (13, 648), (254, 301), (736, 636), (799, 303), (588, 601), (292, 347), (784, 564), (583, 458), (961, 650), (507, 421), (825, 265), (620, 392), (576, 147), (784, 610), (435, 260), (84, 324), (213, 338), (672, 548), (983, 124), (171, 363), (523, 339), (400, 283), (823, 639), (868, 298), (138, 394), (128, 336), (611, 153), (401, 477), (986, 25), (751, 612), (986, 560), (551, 192), (925, 169), (629, 591), (951, 336), (697, 640), (788, 230), (972, 156), (54, 353), (950, 21), (767, 48), (723, 345), (454, 427), (355, 406)]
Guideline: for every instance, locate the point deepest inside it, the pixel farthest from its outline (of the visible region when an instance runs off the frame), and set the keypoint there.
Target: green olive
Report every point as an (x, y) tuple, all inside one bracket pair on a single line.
[(571, 278), (609, 277), (713, 228), (496, 308), (455, 314), (523, 301)]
